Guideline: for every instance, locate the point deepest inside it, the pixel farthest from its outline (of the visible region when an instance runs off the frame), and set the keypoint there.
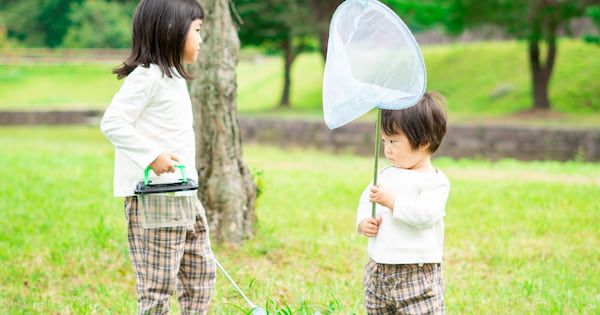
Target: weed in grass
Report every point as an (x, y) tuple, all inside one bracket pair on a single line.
[(298, 307)]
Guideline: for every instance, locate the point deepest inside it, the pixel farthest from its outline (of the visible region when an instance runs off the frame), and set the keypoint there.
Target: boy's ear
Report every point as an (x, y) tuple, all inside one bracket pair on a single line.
[(424, 147)]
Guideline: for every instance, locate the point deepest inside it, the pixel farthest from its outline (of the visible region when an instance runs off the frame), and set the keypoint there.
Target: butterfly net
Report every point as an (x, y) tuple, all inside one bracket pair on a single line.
[(372, 61)]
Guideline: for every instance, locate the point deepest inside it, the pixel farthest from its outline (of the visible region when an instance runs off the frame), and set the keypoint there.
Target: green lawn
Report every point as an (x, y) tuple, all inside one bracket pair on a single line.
[(484, 82), (521, 237), (33, 87)]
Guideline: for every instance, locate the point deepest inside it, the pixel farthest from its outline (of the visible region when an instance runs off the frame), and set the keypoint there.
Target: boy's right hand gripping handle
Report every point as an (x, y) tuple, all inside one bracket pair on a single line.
[(180, 166)]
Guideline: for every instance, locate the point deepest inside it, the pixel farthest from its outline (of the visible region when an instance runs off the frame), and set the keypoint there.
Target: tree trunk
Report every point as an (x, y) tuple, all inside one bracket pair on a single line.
[(322, 11), (226, 187), (288, 59), (538, 77), (544, 27)]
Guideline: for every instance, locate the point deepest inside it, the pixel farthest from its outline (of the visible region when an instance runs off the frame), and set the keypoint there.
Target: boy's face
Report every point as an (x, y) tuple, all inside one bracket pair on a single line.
[(192, 42), (398, 151)]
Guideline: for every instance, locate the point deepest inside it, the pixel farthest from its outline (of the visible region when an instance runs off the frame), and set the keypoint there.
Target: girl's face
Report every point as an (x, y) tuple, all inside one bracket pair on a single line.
[(192, 42), (398, 151)]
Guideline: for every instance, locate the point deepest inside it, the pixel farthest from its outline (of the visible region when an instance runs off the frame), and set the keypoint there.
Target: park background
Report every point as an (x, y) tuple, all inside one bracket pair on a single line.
[(522, 236)]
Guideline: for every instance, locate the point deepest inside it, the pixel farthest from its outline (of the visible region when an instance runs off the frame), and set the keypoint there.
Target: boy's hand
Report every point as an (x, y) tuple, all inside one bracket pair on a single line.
[(164, 163), (382, 196), (369, 226)]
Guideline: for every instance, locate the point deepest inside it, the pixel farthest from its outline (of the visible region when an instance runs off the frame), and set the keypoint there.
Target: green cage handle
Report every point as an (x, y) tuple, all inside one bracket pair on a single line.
[(180, 166)]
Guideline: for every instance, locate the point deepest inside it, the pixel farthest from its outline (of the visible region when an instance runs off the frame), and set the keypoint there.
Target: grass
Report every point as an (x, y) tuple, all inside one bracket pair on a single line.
[(521, 237), (486, 82), (41, 87)]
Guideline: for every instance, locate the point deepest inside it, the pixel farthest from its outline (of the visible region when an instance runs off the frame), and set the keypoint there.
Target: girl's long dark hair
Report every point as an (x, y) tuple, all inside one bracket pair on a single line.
[(160, 28)]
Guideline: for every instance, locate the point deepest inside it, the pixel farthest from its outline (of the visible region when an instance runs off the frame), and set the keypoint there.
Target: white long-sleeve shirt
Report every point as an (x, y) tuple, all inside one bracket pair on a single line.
[(150, 114), (414, 231)]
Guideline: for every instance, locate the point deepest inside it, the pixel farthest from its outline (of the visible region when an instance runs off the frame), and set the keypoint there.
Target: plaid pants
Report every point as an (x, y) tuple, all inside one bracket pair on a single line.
[(403, 289), (170, 258)]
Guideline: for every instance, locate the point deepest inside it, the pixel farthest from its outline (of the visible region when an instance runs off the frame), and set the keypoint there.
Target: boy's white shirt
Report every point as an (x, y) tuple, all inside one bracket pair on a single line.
[(414, 232), (150, 114)]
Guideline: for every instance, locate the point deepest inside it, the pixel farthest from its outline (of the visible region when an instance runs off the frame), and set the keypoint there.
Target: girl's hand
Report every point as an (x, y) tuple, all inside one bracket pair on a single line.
[(164, 163), (382, 196), (369, 226)]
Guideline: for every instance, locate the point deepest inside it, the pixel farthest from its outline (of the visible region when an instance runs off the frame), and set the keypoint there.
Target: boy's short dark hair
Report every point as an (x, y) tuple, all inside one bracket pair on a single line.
[(423, 123)]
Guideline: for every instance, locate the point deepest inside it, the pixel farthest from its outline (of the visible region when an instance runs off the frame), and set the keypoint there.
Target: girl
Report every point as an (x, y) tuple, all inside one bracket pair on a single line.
[(149, 121)]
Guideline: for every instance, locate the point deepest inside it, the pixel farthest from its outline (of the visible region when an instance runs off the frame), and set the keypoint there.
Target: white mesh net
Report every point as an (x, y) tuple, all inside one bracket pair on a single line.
[(373, 60)]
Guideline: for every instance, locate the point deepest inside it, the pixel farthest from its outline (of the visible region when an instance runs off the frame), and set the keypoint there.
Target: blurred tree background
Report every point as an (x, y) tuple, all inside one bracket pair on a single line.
[(593, 12), (284, 26), (538, 22), (68, 23), (291, 27)]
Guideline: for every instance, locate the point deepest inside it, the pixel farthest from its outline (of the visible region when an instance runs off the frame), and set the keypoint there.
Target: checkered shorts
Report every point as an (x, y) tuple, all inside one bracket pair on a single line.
[(171, 259), (403, 289)]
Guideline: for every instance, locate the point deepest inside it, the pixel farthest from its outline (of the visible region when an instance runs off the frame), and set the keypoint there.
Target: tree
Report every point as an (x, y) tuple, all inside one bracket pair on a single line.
[(536, 21), (226, 187), (322, 12), (283, 25), (288, 26), (46, 22), (593, 13), (99, 24), (38, 22)]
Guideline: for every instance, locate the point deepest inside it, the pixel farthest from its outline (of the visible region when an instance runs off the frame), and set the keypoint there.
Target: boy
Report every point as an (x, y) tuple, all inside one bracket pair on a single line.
[(403, 274)]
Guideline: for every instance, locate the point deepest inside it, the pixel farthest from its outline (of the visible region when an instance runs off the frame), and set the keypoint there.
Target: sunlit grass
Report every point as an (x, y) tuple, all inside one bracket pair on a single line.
[(35, 87), (521, 237)]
